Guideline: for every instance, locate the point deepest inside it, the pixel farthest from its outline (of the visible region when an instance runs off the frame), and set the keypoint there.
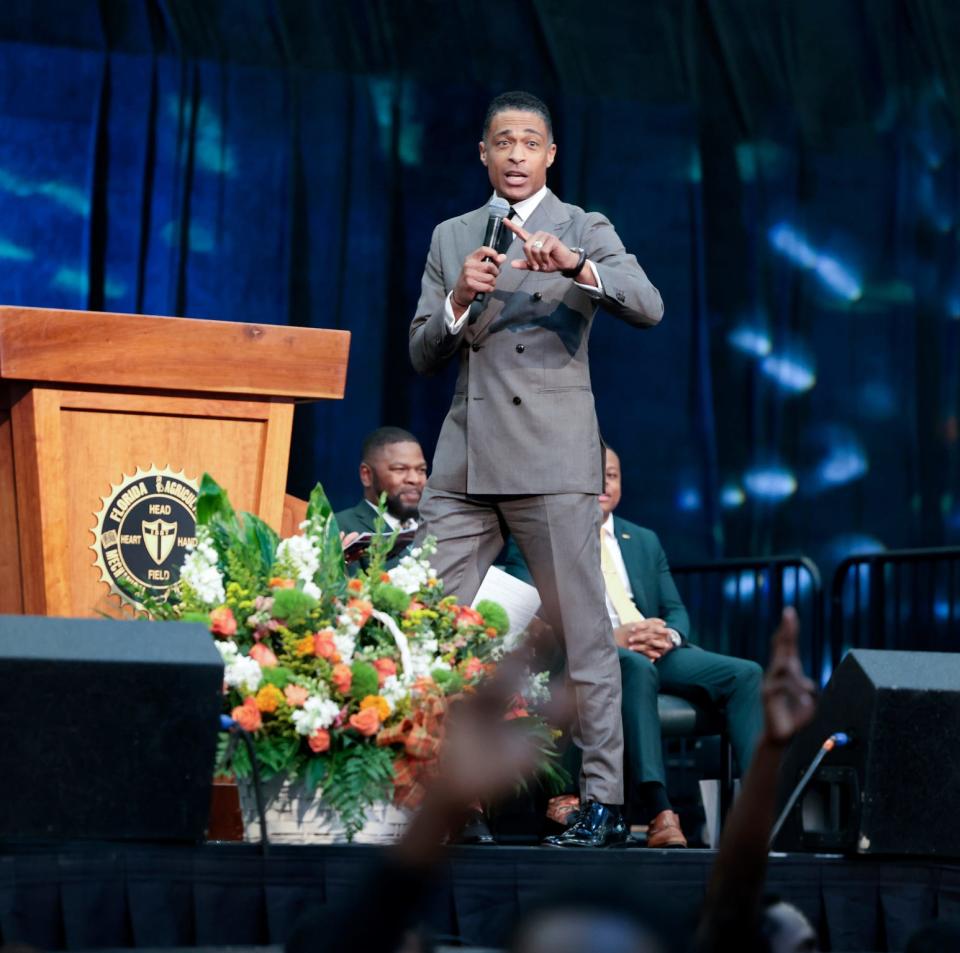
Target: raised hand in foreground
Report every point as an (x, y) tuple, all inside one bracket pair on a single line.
[(731, 915)]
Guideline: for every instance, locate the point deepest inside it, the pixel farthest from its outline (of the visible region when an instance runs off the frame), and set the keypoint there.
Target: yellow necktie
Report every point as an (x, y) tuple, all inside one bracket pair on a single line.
[(616, 590)]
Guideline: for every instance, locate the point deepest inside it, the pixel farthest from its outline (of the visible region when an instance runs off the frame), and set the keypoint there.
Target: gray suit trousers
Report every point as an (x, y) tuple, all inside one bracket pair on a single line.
[(559, 537)]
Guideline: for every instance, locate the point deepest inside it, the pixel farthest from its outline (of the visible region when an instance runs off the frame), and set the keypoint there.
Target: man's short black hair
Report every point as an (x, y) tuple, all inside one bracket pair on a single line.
[(383, 437), (519, 100)]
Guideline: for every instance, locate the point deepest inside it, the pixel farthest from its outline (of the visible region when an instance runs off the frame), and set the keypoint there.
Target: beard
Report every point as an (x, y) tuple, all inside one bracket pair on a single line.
[(396, 506)]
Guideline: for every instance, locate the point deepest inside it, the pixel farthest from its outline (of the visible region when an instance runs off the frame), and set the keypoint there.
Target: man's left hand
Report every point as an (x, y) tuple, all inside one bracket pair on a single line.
[(650, 637), (545, 252)]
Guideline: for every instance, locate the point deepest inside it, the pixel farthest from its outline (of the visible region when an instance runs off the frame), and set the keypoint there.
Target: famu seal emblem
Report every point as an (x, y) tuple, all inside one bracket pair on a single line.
[(143, 530)]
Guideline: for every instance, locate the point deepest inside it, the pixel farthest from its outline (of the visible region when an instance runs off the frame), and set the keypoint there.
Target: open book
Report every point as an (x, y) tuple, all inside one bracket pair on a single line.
[(361, 544)]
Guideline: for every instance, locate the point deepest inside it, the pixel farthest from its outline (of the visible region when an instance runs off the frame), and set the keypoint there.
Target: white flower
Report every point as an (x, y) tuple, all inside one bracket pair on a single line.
[(242, 672), (298, 556), (200, 571), (393, 690), (311, 589), (538, 688), (410, 574), (421, 663), (346, 644), (316, 713)]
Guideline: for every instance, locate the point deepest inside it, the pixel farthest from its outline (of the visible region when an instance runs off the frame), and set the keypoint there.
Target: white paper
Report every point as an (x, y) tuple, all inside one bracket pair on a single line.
[(520, 599)]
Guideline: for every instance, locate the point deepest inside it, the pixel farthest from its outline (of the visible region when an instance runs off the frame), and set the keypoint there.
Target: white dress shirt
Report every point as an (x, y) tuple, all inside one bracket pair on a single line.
[(523, 210), (393, 522)]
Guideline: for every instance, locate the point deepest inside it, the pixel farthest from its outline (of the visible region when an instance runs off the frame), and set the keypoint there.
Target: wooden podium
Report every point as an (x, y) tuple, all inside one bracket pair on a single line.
[(89, 398)]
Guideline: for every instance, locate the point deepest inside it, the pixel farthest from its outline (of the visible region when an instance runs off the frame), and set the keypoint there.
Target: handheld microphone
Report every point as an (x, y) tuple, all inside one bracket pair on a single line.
[(498, 210)]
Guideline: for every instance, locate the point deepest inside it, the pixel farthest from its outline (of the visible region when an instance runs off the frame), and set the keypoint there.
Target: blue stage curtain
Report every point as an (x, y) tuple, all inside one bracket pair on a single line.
[(786, 173)]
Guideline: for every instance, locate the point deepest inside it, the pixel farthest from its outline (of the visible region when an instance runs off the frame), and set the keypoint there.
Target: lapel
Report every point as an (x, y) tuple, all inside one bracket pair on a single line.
[(549, 216), (366, 515), (631, 551)]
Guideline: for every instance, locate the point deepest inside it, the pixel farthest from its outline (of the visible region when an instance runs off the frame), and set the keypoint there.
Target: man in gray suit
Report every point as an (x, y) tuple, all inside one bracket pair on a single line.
[(520, 449)]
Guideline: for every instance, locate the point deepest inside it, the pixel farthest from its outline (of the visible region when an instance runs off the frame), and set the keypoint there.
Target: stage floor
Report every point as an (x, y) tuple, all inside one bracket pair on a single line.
[(110, 896)]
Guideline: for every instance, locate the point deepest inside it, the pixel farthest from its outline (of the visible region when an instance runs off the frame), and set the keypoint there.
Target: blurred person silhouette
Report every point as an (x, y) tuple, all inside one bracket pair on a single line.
[(733, 916), (786, 929)]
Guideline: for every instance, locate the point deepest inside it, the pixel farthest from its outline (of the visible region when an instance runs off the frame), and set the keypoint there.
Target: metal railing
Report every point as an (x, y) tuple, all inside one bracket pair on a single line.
[(735, 605), (906, 599)]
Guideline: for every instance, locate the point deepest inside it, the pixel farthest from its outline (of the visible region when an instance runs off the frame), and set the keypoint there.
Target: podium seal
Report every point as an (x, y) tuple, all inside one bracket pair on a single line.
[(142, 532)]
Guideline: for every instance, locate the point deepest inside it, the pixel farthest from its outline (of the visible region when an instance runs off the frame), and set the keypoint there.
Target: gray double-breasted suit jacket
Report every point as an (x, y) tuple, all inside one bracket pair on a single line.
[(521, 448), (522, 420)]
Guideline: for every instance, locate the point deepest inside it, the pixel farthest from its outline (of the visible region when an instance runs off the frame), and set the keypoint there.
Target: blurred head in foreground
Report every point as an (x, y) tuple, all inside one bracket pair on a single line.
[(596, 914)]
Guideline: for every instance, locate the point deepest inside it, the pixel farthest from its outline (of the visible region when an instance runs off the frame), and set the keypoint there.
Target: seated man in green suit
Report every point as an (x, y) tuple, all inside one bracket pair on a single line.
[(650, 625), (391, 462)]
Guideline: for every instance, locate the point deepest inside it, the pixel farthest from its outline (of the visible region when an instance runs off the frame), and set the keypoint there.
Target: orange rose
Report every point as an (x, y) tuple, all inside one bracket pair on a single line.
[(384, 577), (342, 678), (263, 655), (268, 698), (295, 695), (466, 615), (305, 646), (516, 713), (223, 623), (278, 582), (473, 668), (385, 668), (324, 646), (319, 741), (378, 703), (360, 609), (247, 715), (490, 632), (367, 722), (355, 585)]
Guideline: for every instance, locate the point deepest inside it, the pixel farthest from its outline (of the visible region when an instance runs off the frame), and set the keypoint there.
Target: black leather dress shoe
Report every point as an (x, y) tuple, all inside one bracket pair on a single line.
[(476, 831), (596, 826)]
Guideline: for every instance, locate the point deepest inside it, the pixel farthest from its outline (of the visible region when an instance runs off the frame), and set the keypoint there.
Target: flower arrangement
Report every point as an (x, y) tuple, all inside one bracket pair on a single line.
[(342, 681)]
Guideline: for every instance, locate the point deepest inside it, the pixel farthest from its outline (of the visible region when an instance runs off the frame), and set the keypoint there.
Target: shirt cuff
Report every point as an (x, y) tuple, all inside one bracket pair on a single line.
[(676, 638), (453, 323), (594, 292)]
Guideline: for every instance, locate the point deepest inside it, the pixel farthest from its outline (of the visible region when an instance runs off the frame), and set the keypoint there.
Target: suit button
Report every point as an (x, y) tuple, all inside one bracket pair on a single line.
[(474, 347), (517, 401), (536, 296), (521, 348)]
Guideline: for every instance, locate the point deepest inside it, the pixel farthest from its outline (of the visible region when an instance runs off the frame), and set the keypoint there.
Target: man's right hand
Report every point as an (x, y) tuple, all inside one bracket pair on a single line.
[(476, 277), (649, 637)]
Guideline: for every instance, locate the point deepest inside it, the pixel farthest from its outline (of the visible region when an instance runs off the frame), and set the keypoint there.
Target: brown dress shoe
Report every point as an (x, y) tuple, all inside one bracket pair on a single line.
[(664, 831)]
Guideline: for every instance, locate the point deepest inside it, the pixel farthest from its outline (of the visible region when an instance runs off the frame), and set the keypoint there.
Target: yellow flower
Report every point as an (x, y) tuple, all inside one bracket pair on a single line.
[(304, 646), (379, 702), (268, 698)]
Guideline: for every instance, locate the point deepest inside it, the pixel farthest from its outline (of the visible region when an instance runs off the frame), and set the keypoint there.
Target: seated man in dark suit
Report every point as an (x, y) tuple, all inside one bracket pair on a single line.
[(650, 625), (391, 462)]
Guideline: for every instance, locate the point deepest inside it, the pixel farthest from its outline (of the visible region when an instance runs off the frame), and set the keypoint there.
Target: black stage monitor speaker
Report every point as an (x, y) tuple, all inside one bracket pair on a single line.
[(895, 789), (108, 729)]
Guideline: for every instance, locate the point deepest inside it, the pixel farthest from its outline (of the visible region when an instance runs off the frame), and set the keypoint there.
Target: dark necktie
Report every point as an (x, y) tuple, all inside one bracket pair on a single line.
[(506, 236)]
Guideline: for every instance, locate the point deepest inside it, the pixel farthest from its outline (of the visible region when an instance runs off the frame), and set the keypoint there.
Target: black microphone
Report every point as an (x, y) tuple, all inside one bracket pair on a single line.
[(498, 210)]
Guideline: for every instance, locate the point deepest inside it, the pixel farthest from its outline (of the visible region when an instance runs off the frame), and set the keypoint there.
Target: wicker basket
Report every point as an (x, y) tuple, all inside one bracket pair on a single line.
[(295, 816)]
